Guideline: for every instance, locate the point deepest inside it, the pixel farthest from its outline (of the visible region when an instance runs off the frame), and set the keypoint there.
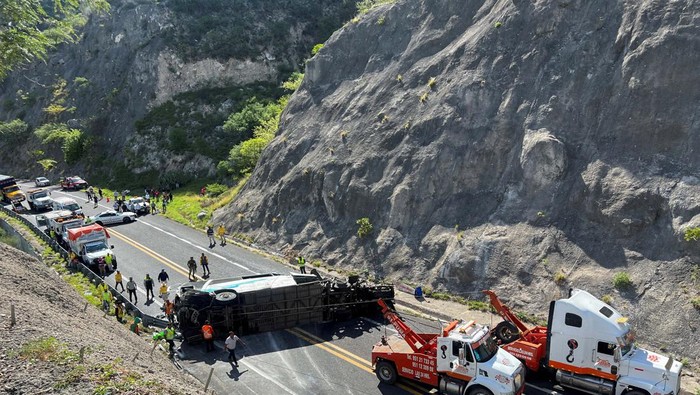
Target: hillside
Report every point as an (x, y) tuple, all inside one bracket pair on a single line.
[(145, 91), (40, 354), (526, 147)]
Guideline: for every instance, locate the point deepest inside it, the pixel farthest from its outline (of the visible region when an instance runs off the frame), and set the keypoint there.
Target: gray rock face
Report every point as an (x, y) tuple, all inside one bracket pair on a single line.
[(494, 144)]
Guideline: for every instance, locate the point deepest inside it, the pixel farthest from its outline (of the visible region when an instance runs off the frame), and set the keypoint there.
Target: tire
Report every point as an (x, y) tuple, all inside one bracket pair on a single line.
[(225, 297), (32, 207), (479, 390), (386, 372), (507, 332), (126, 220), (99, 223)]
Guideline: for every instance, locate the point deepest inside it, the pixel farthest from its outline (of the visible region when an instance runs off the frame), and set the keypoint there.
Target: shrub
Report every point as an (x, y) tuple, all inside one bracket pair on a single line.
[(365, 227), (692, 234), (622, 281), (559, 278), (424, 97), (14, 130), (47, 349), (216, 189), (497, 25), (364, 6), (294, 81), (315, 49), (607, 299), (431, 82)]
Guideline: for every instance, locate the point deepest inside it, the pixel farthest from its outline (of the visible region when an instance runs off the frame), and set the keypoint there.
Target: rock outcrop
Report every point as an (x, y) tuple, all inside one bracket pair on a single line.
[(499, 144)]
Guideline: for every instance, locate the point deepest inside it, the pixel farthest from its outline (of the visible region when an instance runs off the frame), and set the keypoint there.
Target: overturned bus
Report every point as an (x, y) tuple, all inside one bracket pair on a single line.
[(268, 302)]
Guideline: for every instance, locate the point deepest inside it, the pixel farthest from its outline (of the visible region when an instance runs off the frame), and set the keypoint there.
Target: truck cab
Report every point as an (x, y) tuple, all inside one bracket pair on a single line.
[(9, 190), (39, 199), (589, 337)]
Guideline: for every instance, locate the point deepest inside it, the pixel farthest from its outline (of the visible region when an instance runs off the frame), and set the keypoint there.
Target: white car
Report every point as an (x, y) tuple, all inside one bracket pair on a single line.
[(42, 182), (112, 217), (138, 205)]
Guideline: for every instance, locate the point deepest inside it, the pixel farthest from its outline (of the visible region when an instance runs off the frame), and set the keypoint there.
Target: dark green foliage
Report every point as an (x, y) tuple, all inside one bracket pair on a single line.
[(203, 131), (226, 29), (14, 131), (216, 189)]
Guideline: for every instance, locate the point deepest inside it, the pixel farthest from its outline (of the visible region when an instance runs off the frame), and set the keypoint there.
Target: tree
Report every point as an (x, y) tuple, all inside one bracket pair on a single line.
[(28, 29)]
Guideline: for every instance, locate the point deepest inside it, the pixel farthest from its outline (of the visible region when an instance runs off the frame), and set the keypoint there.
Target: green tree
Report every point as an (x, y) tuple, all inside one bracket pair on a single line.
[(13, 131), (244, 156), (29, 28), (73, 142)]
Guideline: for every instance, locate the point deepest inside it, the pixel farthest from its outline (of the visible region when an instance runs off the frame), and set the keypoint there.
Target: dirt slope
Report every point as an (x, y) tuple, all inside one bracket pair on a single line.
[(46, 306)]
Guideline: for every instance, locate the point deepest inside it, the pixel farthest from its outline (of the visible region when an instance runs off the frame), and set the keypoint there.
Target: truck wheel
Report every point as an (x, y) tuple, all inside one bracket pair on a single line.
[(479, 390), (507, 332), (386, 372)]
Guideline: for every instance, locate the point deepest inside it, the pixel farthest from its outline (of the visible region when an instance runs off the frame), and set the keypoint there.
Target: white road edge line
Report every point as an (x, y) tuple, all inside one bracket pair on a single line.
[(197, 247), (177, 237)]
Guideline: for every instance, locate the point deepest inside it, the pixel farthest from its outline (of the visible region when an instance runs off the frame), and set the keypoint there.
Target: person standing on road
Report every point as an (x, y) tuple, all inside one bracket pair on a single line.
[(163, 276), (204, 261), (302, 264), (170, 311), (116, 196), (108, 261), (131, 288), (118, 280), (163, 292), (231, 341), (99, 192), (148, 284), (165, 205), (102, 266), (95, 199), (210, 235), (221, 232), (208, 335), (192, 266)]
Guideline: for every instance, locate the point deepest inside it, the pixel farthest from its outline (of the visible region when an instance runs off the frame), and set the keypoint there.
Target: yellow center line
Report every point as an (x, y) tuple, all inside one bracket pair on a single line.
[(151, 253), (341, 353)]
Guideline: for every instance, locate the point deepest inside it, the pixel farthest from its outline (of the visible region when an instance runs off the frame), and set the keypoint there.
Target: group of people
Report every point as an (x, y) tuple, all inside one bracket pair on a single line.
[(220, 232), (229, 344), (192, 267), (93, 196)]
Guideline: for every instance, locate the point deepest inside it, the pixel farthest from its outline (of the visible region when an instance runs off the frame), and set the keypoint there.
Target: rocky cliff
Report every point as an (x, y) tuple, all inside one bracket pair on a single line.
[(523, 146), (149, 69)]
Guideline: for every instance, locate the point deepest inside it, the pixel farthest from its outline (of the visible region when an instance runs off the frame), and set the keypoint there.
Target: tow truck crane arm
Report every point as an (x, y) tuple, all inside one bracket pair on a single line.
[(416, 342), (504, 311)]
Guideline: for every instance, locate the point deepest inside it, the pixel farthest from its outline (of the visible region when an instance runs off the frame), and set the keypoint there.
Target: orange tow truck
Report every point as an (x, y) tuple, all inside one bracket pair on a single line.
[(463, 359), (589, 346)]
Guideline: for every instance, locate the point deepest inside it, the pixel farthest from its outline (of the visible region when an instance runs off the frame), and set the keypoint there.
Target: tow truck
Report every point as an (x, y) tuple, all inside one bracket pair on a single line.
[(589, 346), (463, 359)]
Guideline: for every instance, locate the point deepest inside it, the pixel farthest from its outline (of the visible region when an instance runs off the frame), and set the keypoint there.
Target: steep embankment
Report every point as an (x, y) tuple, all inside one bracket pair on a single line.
[(516, 145), (40, 354)]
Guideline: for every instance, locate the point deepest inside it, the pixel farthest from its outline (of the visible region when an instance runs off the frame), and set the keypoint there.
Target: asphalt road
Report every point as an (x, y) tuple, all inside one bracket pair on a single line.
[(313, 359)]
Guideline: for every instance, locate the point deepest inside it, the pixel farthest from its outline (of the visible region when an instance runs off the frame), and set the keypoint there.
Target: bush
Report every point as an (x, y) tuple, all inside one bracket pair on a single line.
[(365, 227), (316, 48), (607, 299), (696, 302), (622, 281), (216, 189), (559, 278), (692, 234), (14, 130)]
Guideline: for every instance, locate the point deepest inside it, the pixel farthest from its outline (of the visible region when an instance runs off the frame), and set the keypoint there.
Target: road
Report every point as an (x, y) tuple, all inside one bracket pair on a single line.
[(320, 359)]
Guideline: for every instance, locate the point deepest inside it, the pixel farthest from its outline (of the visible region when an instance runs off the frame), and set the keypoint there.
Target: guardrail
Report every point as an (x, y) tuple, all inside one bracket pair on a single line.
[(147, 320)]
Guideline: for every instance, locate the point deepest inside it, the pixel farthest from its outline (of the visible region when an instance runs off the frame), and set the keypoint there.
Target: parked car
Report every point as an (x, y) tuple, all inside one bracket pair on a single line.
[(74, 183), (42, 182), (138, 205), (112, 217)]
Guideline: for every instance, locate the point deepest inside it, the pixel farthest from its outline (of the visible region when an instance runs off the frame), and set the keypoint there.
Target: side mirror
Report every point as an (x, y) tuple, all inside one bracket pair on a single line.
[(462, 360), (616, 355)]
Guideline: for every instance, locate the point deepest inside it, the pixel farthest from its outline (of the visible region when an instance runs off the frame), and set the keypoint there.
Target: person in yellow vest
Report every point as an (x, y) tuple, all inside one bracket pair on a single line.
[(169, 333), (108, 261), (221, 232), (118, 280), (302, 264), (163, 291), (106, 299)]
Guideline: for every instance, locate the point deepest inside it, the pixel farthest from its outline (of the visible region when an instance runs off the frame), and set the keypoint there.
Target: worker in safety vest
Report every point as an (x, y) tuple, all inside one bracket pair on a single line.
[(108, 261), (163, 291), (118, 280), (106, 298), (170, 311), (208, 336), (302, 264), (169, 333), (221, 232)]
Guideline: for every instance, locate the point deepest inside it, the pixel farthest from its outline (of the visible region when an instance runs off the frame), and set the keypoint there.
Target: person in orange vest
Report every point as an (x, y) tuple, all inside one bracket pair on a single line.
[(170, 311), (208, 335)]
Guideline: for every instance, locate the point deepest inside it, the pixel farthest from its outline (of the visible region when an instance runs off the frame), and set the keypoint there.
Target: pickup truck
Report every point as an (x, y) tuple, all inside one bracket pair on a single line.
[(39, 199), (74, 183)]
